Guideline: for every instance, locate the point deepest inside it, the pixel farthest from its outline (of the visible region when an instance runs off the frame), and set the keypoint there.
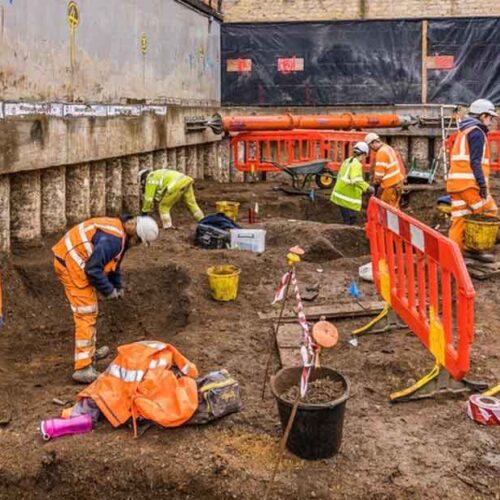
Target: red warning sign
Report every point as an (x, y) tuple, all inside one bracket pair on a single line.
[(290, 64), (239, 65), (440, 62)]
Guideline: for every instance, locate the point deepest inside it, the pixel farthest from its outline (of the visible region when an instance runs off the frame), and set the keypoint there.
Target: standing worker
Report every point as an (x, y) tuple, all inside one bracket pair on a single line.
[(87, 260), (387, 174), (469, 171), (167, 187), (350, 186)]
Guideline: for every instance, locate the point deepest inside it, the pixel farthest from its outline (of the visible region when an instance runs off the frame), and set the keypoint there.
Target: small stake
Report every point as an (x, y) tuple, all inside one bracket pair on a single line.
[(284, 439)]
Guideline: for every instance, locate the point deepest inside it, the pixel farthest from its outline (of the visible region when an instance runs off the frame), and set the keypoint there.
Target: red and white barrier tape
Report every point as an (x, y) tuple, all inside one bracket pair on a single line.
[(484, 409), (308, 348)]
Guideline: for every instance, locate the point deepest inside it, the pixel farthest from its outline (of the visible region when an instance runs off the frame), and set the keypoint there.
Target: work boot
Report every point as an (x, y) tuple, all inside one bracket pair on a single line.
[(86, 375), (101, 353)]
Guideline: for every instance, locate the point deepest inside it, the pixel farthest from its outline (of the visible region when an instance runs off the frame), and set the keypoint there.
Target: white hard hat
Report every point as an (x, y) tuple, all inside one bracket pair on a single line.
[(146, 228), (483, 106), (361, 147), (141, 176), (372, 136)]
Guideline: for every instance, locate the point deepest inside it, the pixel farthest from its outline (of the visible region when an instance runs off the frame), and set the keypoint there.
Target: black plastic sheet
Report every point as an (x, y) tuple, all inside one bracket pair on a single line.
[(361, 62), (474, 45)]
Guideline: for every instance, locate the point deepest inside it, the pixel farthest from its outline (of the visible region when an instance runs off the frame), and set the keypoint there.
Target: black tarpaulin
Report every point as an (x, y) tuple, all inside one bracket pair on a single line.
[(473, 48), (328, 63)]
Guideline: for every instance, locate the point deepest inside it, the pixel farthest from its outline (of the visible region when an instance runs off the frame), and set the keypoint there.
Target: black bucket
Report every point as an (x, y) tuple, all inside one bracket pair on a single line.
[(317, 430)]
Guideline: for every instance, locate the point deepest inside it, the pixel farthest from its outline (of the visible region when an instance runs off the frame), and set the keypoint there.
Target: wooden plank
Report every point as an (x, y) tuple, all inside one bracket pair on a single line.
[(289, 335), (342, 310)]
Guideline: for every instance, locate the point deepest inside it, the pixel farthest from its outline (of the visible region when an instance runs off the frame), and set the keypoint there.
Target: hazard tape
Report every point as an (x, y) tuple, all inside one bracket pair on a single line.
[(484, 410)]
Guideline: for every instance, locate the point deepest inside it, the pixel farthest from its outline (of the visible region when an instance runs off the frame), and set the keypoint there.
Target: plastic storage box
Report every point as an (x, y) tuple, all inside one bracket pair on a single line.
[(249, 239)]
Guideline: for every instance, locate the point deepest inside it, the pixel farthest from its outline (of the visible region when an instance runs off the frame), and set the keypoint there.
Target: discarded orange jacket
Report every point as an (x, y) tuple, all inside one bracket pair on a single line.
[(140, 383)]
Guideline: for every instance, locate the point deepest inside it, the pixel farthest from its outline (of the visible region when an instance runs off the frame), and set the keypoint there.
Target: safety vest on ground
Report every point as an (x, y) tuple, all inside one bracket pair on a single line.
[(75, 247), (460, 175), (387, 168), (350, 185), (161, 181), (140, 383)]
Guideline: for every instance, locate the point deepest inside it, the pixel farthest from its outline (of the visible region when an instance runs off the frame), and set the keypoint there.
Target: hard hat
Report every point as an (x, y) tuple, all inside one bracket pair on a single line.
[(361, 147), (146, 228), (141, 176), (483, 106), (372, 136)]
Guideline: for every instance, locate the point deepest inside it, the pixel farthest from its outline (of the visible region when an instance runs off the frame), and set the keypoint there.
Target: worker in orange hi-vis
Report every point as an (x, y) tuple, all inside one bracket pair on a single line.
[(87, 260), (468, 176), (388, 176)]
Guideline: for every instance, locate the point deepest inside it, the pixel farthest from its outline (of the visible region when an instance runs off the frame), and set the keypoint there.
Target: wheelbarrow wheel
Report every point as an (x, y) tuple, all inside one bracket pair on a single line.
[(325, 181)]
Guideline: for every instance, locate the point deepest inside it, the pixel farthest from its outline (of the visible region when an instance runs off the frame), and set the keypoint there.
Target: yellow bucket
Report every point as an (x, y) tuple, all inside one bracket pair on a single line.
[(223, 282), (229, 208), (480, 232)]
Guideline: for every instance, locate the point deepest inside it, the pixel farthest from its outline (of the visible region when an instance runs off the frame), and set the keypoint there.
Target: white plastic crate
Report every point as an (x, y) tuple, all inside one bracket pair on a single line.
[(253, 240)]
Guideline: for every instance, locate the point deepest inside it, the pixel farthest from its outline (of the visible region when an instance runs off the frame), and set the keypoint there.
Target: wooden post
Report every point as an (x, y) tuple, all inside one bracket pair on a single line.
[(425, 30)]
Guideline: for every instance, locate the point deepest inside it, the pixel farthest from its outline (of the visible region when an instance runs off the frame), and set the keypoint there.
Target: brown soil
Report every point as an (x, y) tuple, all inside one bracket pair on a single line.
[(426, 449), (318, 391)]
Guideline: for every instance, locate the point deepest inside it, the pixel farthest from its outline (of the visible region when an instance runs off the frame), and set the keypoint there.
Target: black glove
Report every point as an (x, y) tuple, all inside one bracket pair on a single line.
[(371, 190), (483, 192)]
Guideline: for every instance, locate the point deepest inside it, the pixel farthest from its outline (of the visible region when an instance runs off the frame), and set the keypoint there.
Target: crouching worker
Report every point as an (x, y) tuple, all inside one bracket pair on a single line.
[(468, 176), (87, 260), (350, 186), (167, 187)]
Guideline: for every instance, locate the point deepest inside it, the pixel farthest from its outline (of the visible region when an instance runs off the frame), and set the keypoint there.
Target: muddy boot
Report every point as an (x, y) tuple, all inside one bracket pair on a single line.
[(86, 375), (102, 352), (487, 258)]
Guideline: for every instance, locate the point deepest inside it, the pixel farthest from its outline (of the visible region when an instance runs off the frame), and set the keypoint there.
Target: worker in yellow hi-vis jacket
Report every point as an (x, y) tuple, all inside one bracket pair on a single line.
[(167, 187)]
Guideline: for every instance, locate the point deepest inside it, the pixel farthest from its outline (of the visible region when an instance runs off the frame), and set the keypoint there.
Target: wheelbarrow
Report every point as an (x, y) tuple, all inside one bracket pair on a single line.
[(303, 173)]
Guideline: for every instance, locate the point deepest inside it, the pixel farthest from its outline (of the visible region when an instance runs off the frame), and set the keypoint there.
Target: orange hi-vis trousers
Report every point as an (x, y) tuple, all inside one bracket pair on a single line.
[(392, 195), (83, 303), (465, 203)]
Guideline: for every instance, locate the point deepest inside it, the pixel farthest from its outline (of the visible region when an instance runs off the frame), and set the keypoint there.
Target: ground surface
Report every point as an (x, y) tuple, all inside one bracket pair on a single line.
[(427, 449)]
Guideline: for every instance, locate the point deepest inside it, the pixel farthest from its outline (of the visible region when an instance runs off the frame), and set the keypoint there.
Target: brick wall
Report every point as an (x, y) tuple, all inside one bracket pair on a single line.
[(315, 10)]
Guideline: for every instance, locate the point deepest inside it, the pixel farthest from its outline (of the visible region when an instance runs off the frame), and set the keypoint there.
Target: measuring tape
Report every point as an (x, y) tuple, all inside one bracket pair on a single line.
[(484, 410)]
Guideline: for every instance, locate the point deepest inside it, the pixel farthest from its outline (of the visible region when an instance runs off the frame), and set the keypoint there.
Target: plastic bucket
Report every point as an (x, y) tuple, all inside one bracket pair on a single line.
[(223, 282), (480, 232), (229, 208), (317, 430)]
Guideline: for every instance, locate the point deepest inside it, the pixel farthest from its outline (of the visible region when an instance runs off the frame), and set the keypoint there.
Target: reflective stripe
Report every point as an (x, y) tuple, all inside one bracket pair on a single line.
[(461, 176), (479, 204), (157, 363), (72, 252), (186, 368), (84, 343), (379, 174), (458, 203), (392, 174), (455, 214), (153, 345), (85, 309), (460, 157), (356, 201), (82, 355), (387, 165), (357, 179), (112, 229), (86, 243), (124, 374)]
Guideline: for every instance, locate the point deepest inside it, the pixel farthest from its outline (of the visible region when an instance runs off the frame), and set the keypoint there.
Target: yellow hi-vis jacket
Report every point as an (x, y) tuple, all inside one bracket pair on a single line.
[(160, 182), (350, 186)]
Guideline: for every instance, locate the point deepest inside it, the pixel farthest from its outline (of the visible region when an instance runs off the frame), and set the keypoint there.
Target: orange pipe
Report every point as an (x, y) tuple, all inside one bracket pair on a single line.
[(345, 121)]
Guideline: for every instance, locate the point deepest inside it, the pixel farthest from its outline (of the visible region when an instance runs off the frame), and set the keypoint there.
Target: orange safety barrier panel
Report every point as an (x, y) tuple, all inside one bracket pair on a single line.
[(252, 151), (422, 276), (494, 141)]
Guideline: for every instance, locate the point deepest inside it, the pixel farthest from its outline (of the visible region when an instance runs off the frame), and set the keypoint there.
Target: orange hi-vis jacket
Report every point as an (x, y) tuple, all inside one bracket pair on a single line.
[(140, 383), (460, 175), (75, 248), (387, 171)]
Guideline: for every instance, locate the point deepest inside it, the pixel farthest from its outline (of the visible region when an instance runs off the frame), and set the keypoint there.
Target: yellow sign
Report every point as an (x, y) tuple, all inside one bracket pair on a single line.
[(73, 15), (144, 43)]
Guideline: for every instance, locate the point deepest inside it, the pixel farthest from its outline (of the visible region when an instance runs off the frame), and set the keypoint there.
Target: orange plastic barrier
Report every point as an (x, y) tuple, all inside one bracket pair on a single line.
[(422, 276), (287, 121), (252, 151), (493, 139)]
